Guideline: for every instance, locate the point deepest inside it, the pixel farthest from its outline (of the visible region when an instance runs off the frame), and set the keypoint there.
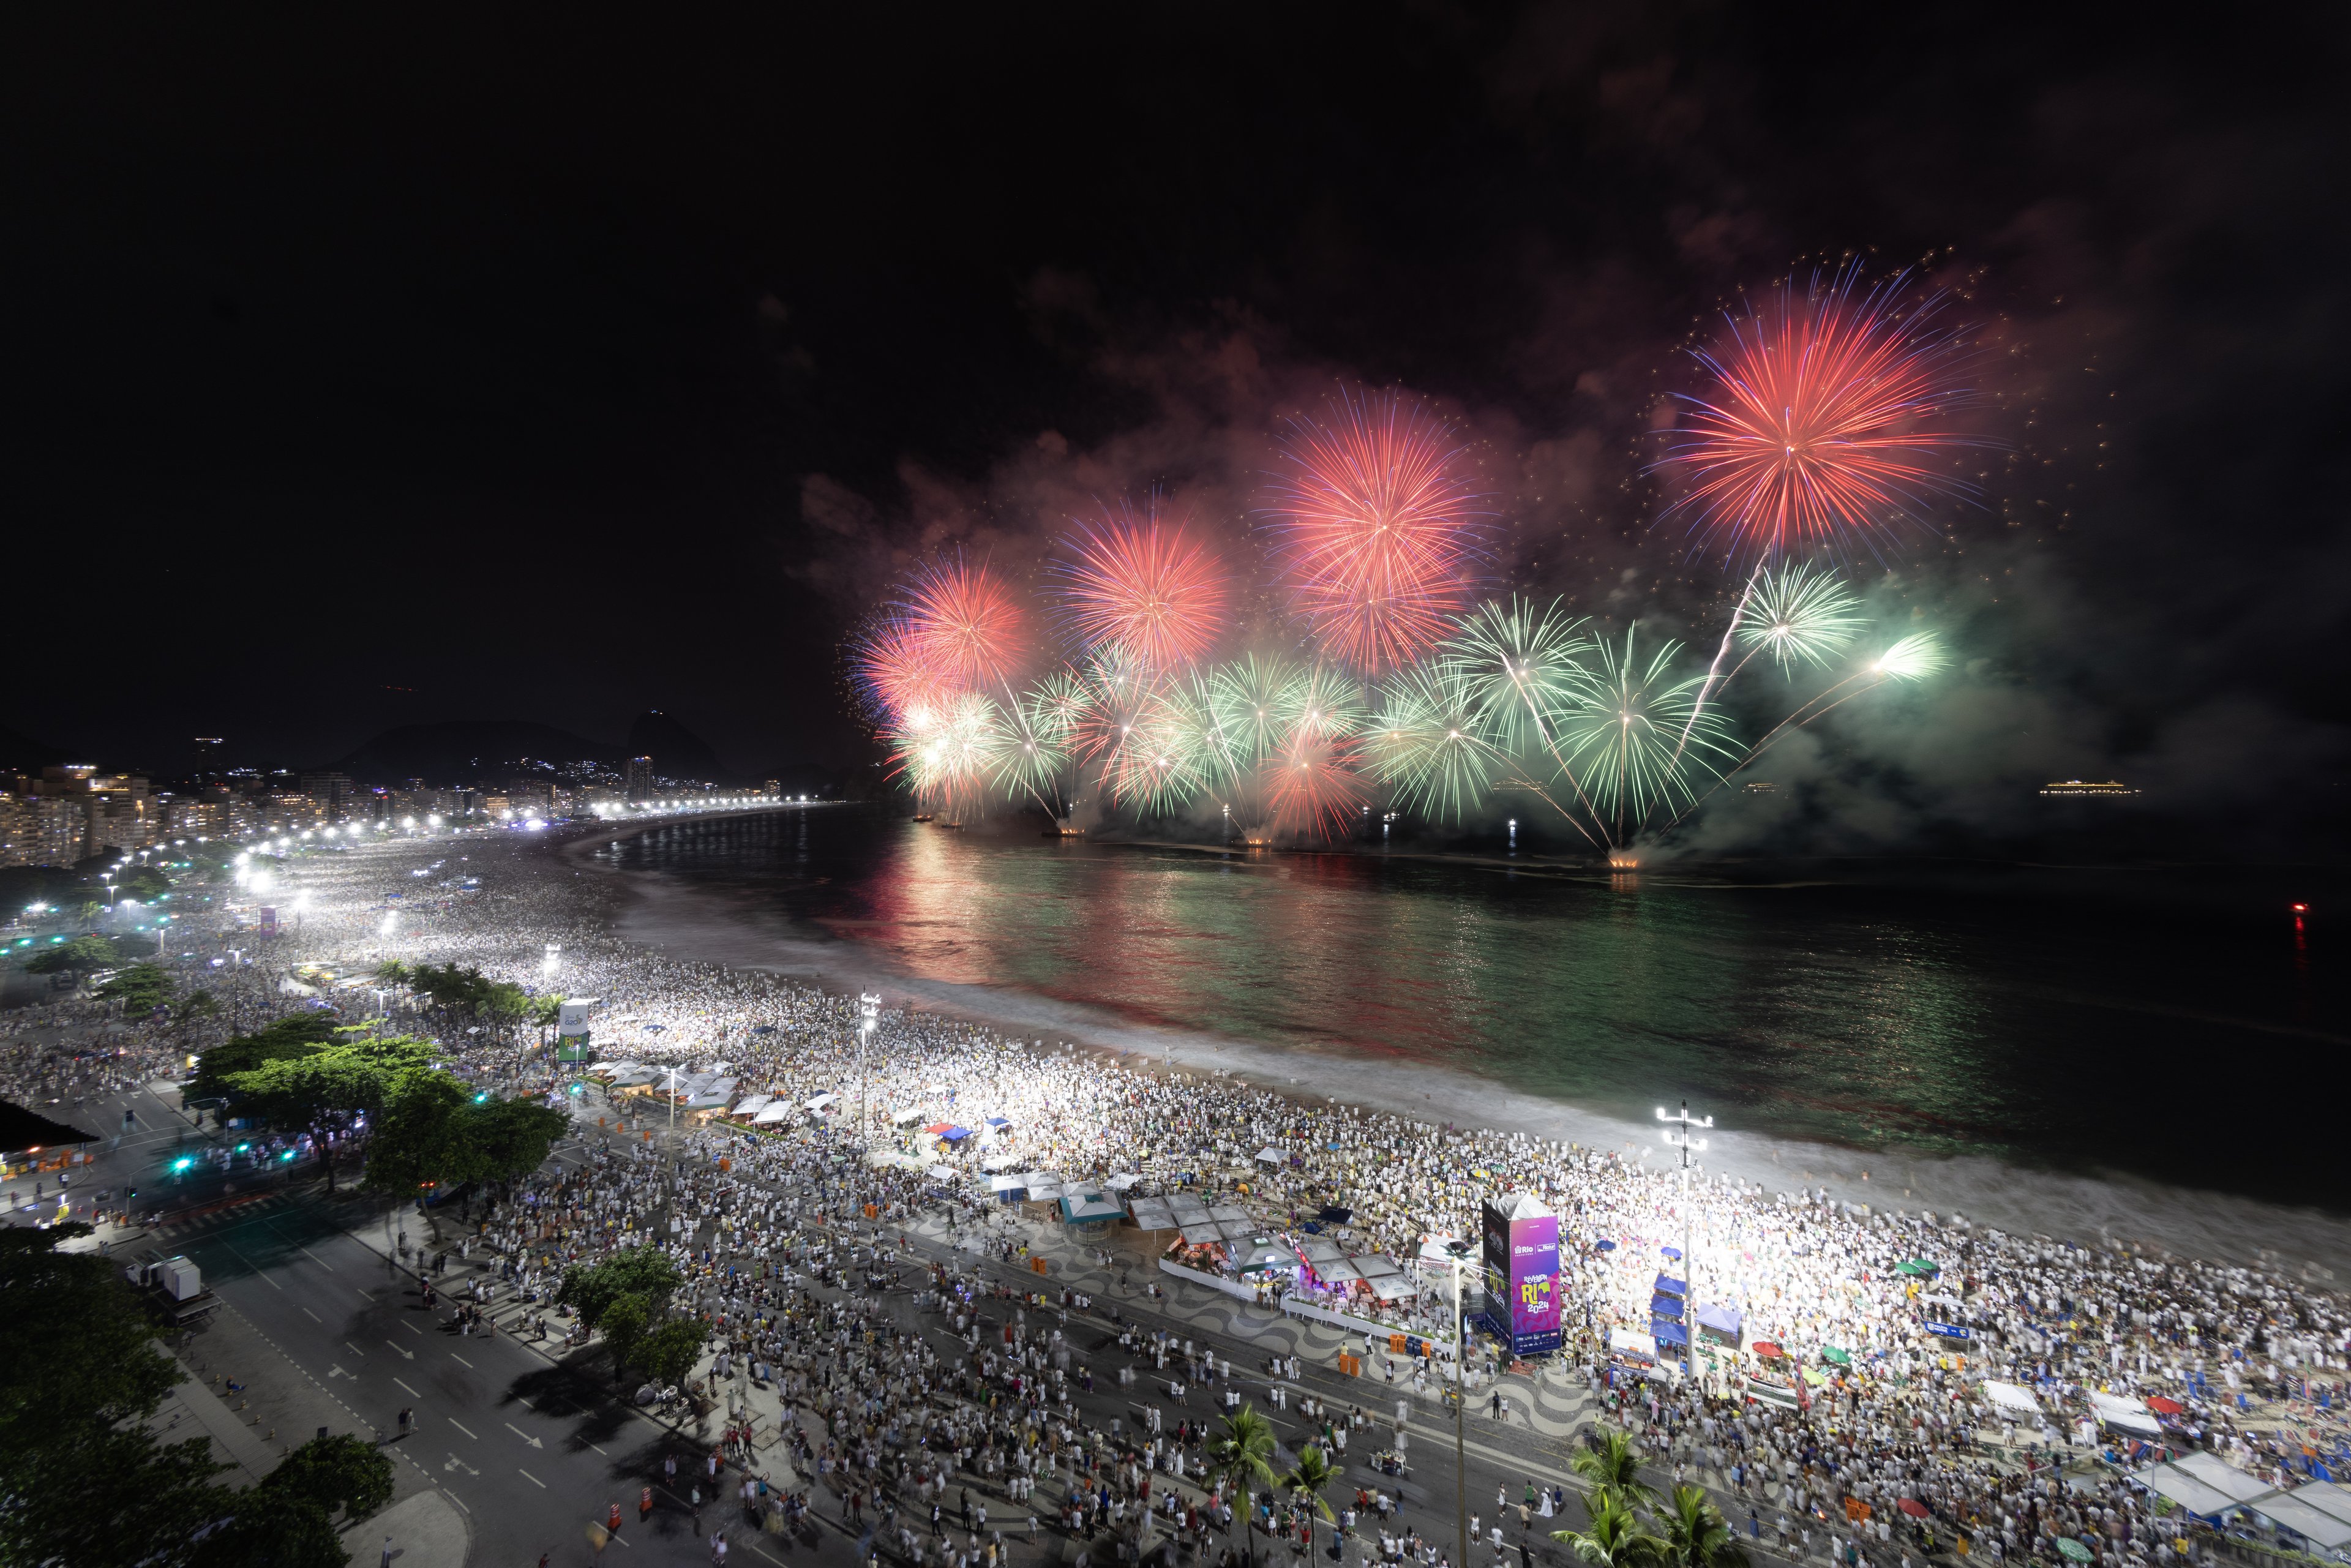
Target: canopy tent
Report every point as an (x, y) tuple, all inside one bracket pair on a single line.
[(2230, 1482), (1663, 1306), (1089, 1208), (1666, 1285), (1270, 1155), (752, 1105), (1720, 1322), (819, 1101), (890, 1159), (2126, 1415), (2162, 1406), (1002, 1161), (937, 1129), (2321, 1529), (1008, 1187), (770, 1113), (1151, 1214), (940, 1173), (1668, 1332), (2009, 1396), (999, 1122), (2329, 1498), (1121, 1182), (1632, 1342), (905, 1118), (1265, 1257), (955, 1135), (1333, 1215)]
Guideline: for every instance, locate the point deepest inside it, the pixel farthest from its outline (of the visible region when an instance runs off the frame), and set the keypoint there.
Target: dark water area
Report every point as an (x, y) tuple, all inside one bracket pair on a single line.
[(2173, 1024)]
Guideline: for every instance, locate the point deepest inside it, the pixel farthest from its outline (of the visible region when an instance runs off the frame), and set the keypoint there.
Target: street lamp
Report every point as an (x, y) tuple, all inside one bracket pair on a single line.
[(869, 1013), (1680, 1135), (1457, 1256)]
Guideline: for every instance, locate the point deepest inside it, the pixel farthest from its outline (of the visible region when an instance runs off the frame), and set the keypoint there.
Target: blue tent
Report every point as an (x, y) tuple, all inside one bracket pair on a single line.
[(1668, 1332), (1663, 1306), (1673, 1252), (955, 1135), (1719, 1323), (1667, 1285)]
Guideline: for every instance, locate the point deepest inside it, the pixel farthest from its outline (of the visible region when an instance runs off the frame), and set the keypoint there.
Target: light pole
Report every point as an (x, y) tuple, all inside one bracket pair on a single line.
[(869, 1013), (1679, 1136), (1460, 1403)]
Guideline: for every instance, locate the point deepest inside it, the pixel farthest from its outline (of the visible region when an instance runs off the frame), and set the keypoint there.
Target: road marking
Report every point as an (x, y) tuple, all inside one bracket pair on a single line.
[(531, 1479), (314, 1258), (600, 1450), (453, 1497), (524, 1436), (334, 1372), (411, 1327), (461, 1361), (363, 1292), (412, 1392), (525, 1403), (461, 1426), (354, 1350), (405, 1355), (312, 1316)]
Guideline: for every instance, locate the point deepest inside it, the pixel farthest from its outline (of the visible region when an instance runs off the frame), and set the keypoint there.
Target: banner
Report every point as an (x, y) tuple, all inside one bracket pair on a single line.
[(1522, 1276)]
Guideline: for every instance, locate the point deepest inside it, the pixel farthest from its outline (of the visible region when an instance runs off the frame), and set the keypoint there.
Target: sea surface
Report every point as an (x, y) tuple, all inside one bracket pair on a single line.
[(2136, 1051)]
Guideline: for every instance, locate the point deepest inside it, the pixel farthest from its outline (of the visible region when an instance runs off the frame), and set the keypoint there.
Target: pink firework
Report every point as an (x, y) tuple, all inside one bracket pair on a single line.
[(963, 625), (1312, 785), (1380, 528), (898, 679), (1824, 423), (1145, 587)]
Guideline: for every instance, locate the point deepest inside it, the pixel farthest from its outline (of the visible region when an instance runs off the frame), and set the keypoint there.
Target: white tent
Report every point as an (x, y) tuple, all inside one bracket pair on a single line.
[(1269, 1155), (2009, 1396), (1122, 1181), (902, 1118), (2321, 1529), (773, 1112), (822, 1100), (2126, 1415), (941, 1173)]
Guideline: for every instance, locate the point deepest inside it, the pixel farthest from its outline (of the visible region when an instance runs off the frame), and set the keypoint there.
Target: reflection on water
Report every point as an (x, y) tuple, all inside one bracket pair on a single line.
[(2151, 1022)]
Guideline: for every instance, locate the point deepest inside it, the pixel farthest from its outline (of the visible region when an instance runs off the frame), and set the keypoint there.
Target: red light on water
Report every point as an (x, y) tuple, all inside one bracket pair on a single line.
[(2299, 908)]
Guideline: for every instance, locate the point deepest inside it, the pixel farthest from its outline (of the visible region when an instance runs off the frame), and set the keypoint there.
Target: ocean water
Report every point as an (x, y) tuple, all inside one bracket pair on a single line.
[(2146, 1052)]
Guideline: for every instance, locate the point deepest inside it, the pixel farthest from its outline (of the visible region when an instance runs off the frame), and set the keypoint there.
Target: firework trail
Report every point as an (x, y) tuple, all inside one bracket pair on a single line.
[(1822, 427), (1624, 733), (1143, 586), (1379, 529)]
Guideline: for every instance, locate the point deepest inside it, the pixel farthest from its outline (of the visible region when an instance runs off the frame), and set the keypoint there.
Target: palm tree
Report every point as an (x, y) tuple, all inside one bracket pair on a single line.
[(1615, 1538), (1614, 1464), (1306, 1481), (1242, 1454), (1696, 1536)]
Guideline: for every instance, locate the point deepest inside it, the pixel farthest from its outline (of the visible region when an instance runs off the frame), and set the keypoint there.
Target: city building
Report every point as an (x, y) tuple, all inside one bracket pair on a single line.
[(334, 792), (2075, 788), (641, 779)]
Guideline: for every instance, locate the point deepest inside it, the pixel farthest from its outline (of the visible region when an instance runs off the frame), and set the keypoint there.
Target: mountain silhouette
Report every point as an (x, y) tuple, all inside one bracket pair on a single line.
[(469, 751), (677, 752)]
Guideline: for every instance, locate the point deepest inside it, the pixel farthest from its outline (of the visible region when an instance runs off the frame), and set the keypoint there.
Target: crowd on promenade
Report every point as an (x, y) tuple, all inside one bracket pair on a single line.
[(1884, 1444)]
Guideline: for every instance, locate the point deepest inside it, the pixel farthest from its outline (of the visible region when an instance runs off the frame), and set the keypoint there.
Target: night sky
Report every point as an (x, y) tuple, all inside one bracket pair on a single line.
[(513, 367)]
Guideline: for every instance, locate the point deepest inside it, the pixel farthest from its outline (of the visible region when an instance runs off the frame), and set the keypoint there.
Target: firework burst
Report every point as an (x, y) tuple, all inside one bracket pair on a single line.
[(1823, 425), (1379, 526), (964, 623), (1802, 615), (1143, 586)]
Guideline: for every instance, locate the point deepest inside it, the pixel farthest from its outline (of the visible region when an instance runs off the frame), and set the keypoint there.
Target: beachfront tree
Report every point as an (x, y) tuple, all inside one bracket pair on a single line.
[(1305, 1482), (1614, 1538), (1240, 1456), (1696, 1533), (319, 1087), (1612, 1462)]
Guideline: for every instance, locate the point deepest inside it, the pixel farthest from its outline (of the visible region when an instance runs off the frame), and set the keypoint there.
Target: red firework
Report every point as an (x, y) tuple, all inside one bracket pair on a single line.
[(1822, 427), (963, 623), (898, 678), (1310, 786), (1380, 525), (1146, 588)]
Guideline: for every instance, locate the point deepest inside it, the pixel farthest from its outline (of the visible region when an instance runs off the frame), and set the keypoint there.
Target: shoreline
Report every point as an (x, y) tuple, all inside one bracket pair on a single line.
[(703, 923)]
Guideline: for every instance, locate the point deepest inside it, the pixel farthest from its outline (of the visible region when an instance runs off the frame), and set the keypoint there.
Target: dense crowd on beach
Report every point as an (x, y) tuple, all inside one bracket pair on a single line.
[(1861, 1432)]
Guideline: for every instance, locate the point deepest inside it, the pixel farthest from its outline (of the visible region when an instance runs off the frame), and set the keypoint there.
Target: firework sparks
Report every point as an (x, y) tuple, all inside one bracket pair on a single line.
[(963, 625), (1380, 528), (1800, 615), (1822, 425), (1143, 586), (1428, 741)]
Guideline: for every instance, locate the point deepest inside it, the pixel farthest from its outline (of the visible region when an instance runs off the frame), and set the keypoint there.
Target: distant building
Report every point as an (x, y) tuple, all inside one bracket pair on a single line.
[(641, 779), (42, 829), (334, 793), (2075, 788)]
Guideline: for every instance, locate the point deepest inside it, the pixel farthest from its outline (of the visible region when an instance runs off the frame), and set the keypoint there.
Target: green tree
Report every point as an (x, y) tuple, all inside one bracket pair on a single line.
[(140, 988), (392, 972), (144, 882), (195, 1008), (1241, 1453), (1614, 1538), (642, 1272), (1305, 1482), (299, 1034), (79, 957), (79, 1369), (269, 1527), (1614, 1464), (510, 1137), (668, 1353), (1696, 1533), (354, 1074), (624, 1323), (339, 1472), (418, 1142)]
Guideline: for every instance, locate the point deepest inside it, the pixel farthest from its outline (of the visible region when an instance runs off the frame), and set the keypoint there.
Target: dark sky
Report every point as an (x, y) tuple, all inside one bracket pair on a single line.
[(517, 367)]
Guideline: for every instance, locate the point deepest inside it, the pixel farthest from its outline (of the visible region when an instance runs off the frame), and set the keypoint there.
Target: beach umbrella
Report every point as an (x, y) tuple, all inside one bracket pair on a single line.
[(2162, 1406), (2073, 1550), (1914, 1508)]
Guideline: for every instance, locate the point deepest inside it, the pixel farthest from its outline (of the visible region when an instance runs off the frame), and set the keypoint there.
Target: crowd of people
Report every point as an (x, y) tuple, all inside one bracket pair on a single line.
[(1834, 1418)]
